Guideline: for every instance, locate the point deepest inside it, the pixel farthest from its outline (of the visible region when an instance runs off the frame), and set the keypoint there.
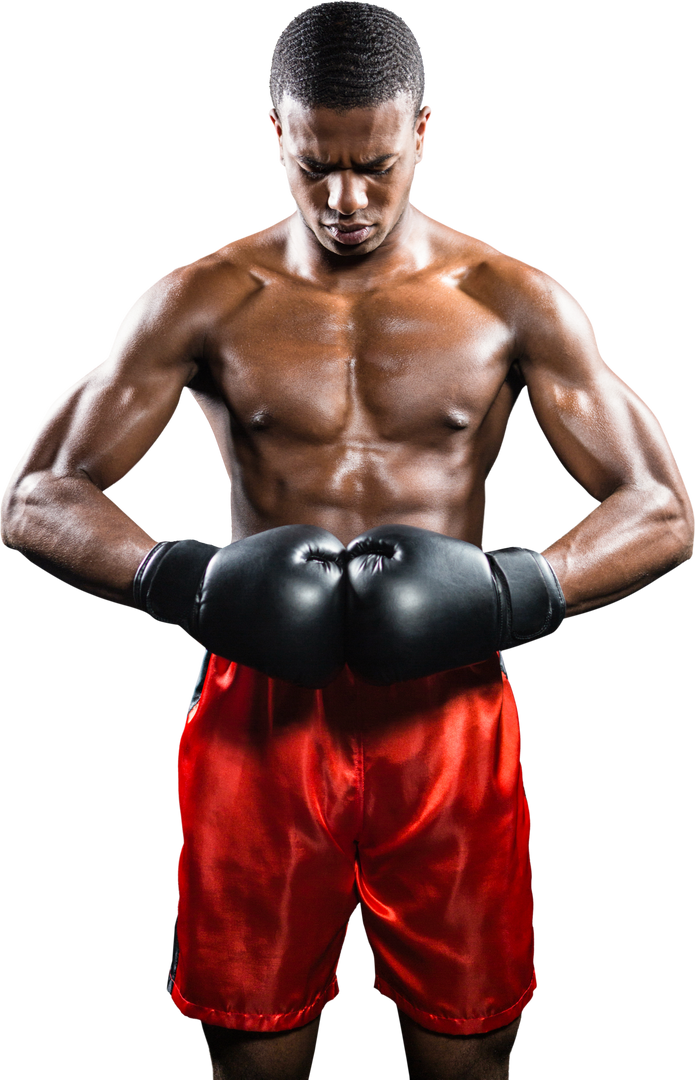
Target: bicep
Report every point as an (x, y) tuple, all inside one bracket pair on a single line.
[(601, 431), (108, 421)]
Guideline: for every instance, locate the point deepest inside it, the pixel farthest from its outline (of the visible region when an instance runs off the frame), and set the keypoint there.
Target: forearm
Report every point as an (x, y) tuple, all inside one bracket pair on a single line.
[(634, 536), (71, 529)]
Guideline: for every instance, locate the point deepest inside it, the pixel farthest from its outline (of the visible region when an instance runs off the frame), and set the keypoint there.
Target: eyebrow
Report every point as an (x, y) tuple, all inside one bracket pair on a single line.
[(312, 163)]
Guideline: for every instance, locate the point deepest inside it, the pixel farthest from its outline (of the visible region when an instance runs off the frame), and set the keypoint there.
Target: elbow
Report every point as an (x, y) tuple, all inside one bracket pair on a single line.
[(10, 519), (668, 524), (676, 520), (685, 535), (16, 514)]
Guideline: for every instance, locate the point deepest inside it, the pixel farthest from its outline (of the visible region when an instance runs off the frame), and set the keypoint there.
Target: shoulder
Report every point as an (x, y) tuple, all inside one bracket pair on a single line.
[(524, 297), (550, 329), (201, 292)]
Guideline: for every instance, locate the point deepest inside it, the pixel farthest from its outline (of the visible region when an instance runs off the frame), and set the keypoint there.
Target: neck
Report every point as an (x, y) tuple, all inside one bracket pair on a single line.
[(403, 250)]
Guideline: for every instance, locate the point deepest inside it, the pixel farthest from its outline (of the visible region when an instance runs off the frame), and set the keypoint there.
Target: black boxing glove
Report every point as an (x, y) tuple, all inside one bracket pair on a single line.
[(419, 602), (273, 601)]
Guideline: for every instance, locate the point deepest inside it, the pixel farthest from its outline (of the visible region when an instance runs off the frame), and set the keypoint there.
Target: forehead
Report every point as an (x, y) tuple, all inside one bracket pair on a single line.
[(324, 134)]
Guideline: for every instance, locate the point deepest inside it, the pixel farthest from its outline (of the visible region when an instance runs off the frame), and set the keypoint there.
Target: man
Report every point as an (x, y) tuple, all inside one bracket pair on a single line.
[(358, 364)]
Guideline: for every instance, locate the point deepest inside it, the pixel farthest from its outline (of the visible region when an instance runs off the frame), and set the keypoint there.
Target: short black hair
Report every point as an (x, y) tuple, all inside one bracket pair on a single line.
[(347, 56)]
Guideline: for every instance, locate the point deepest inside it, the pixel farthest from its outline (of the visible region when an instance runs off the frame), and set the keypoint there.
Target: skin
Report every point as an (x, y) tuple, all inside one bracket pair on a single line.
[(358, 363), (381, 397)]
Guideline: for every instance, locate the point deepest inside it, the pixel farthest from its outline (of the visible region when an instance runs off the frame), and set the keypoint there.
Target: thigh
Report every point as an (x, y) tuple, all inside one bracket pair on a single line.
[(432, 1056), (267, 874), (443, 873), (252, 1055)]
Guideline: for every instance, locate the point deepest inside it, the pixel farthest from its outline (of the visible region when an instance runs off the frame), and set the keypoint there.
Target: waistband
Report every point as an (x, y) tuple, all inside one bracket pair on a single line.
[(203, 664)]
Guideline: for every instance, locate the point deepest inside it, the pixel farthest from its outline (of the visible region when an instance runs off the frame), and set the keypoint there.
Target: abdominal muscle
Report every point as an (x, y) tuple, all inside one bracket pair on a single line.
[(348, 488)]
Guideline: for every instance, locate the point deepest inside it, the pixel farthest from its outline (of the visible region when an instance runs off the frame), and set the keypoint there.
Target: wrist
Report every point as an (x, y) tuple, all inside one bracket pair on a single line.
[(531, 600), (168, 580)]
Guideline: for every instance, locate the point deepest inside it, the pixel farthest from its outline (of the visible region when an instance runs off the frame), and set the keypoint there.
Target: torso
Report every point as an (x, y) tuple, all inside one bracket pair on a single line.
[(354, 408)]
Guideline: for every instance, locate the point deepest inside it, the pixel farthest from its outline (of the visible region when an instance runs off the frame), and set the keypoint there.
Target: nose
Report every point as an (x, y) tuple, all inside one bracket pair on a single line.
[(347, 192)]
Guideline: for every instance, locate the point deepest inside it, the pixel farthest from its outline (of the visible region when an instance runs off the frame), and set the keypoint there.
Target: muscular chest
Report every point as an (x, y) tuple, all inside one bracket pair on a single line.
[(399, 364)]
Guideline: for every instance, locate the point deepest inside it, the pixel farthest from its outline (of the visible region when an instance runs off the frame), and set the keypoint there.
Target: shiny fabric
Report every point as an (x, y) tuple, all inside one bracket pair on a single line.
[(298, 804)]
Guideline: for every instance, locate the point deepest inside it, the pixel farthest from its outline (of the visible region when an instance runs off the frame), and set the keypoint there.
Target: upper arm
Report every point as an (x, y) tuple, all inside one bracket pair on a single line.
[(602, 432), (106, 423)]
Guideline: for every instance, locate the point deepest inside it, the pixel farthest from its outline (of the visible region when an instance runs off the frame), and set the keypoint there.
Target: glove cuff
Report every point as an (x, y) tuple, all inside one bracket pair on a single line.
[(168, 580), (532, 603)]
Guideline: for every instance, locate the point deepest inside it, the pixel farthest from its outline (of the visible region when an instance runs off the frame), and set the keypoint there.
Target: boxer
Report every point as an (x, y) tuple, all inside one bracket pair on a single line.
[(353, 737)]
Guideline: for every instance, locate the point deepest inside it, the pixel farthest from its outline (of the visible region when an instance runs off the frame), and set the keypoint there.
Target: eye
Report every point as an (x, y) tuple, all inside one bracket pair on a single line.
[(367, 172)]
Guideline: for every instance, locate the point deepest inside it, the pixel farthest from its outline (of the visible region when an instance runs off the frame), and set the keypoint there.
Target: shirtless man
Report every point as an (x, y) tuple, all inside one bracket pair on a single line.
[(358, 364)]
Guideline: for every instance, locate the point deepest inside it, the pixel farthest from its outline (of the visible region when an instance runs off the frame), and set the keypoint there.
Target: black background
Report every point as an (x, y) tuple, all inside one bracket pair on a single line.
[(138, 140)]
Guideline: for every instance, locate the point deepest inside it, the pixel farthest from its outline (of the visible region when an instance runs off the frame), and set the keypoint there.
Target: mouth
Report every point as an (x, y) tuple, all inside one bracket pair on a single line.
[(354, 233)]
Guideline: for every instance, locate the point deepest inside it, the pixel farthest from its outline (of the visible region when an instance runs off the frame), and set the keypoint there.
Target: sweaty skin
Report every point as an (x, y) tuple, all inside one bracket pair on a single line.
[(358, 363)]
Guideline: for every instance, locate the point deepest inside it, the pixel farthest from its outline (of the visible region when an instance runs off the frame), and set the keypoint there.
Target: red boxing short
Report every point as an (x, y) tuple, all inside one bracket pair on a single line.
[(298, 804)]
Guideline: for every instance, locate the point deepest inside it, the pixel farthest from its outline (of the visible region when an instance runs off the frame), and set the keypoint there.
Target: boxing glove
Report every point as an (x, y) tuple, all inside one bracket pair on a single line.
[(273, 601), (419, 602)]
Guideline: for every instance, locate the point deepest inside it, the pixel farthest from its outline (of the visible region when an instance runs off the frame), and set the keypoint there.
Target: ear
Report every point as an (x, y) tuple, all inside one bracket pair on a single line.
[(420, 128), (275, 122)]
